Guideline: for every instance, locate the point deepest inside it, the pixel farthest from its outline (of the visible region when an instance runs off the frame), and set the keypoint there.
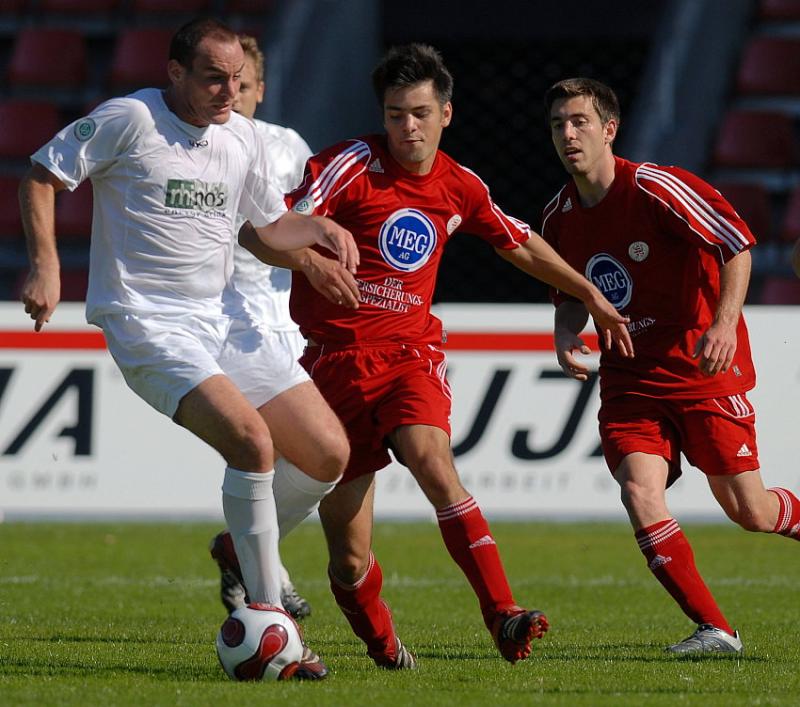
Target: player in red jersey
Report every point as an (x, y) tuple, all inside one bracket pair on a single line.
[(673, 256), (378, 362)]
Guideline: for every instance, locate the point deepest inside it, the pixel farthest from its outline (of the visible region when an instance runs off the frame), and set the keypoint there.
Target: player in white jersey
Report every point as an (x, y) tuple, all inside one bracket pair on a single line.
[(171, 172), (261, 289)]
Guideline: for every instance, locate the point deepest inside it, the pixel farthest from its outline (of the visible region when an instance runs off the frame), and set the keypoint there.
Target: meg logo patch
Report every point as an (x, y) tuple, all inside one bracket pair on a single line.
[(407, 239), (611, 278)]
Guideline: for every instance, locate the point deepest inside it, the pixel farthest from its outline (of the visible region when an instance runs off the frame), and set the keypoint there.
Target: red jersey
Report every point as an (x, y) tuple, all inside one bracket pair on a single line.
[(654, 246), (401, 223)]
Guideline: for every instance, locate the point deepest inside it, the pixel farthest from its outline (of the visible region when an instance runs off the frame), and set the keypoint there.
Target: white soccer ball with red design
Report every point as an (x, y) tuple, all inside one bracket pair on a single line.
[(259, 642)]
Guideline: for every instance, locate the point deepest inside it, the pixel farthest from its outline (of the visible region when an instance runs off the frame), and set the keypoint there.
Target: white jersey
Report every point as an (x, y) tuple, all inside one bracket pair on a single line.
[(265, 289), (166, 199)]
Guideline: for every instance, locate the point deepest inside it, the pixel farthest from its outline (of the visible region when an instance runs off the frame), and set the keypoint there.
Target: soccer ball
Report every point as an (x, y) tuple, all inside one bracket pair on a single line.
[(259, 642)]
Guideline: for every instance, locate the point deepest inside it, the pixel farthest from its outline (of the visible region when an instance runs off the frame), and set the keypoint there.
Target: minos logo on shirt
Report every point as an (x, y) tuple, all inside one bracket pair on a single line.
[(611, 278), (196, 195), (407, 239)]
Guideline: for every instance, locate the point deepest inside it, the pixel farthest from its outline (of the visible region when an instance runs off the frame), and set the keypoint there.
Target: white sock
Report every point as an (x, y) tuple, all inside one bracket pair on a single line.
[(249, 507), (297, 495)]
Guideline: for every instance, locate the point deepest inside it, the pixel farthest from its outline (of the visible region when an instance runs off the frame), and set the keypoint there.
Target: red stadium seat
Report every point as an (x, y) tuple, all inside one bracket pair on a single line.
[(68, 6), (752, 203), (756, 139), (74, 283), (170, 6), (780, 9), (790, 232), (74, 214), (25, 126), (10, 220), (48, 58), (780, 290), (770, 65), (250, 7), (140, 58)]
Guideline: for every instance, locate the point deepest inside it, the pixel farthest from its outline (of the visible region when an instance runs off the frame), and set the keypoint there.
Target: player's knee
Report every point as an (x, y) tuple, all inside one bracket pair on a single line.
[(754, 520), (251, 448), (334, 452), (348, 567), (637, 497)]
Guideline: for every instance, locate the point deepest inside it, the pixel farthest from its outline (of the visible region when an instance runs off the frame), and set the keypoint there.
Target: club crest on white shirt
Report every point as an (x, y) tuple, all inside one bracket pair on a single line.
[(84, 129), (638, 250), (304, 206), (407, 239)]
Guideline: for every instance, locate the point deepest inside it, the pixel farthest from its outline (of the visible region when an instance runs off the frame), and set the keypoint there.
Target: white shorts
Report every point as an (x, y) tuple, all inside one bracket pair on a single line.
[(293, 340), (165, 356)]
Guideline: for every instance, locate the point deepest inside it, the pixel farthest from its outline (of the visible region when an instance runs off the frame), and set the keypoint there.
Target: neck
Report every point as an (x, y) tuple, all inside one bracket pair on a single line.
[(594, 185), (181, 109)]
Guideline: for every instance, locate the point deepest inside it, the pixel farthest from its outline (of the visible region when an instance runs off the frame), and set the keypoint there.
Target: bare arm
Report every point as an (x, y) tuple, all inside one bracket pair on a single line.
[(41, 291), (330, 277), (717, 346), (538, 259), (293, 231)]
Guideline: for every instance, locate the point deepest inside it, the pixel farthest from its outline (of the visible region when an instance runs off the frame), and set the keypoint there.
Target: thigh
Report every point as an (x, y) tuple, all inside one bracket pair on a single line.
[(347, 514), (258, 362), (719, 434), (425, 450), (634, 424), (346, 381), (218, 413), (304, 428), (160, 357)]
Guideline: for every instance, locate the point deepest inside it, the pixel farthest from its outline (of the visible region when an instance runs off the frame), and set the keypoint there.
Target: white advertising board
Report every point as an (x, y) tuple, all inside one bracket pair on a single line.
[(76, 442)]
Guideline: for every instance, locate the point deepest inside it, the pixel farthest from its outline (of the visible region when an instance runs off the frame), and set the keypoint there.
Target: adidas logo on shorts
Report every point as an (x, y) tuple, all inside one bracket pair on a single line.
[(744, 451)]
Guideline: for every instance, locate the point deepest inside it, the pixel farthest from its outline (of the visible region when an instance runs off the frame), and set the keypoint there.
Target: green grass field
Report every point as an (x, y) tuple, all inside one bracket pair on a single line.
[(126, 614)]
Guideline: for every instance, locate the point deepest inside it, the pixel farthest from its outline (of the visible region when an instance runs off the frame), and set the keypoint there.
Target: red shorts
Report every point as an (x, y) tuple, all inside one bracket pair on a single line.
[(376, 389), (717, 436)]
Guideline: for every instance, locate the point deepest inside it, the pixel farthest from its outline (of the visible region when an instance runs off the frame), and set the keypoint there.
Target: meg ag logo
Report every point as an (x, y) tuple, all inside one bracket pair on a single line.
[(407, 239)]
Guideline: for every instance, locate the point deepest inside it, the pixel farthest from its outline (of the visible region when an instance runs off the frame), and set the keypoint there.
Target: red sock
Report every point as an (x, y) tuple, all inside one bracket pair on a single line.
[(367, 613), (788, 513), (470, 543), (670, 558)]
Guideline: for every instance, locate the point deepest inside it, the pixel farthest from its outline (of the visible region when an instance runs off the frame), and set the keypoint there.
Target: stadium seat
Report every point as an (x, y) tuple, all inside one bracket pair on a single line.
[(68, 6), (770, 65), (12, 7), (140, 58), (74, 214), (10, 220), (752, 203), (170, 6), (790, 231), (780, 290), (780, 10), (25, 126), (250, 7), (48, 58), (756, 139)]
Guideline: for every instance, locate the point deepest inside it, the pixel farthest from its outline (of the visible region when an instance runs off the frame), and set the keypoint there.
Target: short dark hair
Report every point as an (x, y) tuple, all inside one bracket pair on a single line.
[(603, 98), (410, 64), (183, 46)]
